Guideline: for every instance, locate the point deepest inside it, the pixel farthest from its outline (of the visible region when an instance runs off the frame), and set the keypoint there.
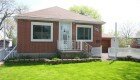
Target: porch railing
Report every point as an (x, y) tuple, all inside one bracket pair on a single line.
[(66, 45), (69, 45), (74, 45), (86, 47)]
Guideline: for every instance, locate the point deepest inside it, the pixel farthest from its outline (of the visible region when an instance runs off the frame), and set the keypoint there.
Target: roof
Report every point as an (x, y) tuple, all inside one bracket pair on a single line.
[(57, 14)]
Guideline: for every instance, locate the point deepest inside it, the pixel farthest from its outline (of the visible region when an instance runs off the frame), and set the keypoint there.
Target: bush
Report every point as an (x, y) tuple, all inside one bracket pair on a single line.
[(76, 57)]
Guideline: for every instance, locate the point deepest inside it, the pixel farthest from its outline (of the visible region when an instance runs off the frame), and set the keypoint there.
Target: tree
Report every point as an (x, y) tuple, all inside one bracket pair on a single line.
[(22, 9), (10, 28), (8, 8), (127, 30), (126, 33), (84, 10)]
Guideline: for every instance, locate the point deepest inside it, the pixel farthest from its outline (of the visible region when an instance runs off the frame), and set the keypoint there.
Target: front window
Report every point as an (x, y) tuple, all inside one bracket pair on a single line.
[(84, 32), (41, 31)]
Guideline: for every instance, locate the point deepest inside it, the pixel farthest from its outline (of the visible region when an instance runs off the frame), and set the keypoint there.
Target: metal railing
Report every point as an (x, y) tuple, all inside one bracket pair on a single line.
[(86, 47), (69, 45), (2, 54), (11, 54)]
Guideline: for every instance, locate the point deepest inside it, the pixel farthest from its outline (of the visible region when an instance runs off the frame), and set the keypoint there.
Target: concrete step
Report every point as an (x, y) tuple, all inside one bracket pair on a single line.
[(1, 63)]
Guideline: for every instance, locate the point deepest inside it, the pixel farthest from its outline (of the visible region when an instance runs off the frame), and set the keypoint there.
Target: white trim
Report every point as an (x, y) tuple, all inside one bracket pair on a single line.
[(60, 44), (41, 40), (85, 26), (61, 22)]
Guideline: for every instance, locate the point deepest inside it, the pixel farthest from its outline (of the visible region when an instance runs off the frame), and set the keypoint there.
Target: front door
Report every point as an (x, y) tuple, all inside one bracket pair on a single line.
[(65, 35)]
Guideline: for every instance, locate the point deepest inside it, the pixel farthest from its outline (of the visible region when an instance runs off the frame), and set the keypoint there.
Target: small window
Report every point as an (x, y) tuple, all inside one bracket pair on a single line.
[(84, 32), (41, 31)]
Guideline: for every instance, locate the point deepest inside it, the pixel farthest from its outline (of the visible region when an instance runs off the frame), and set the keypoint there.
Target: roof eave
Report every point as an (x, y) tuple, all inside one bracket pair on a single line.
[(56, 19)]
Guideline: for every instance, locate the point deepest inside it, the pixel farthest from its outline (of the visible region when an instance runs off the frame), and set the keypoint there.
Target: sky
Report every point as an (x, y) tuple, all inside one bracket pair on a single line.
[(120, 11)]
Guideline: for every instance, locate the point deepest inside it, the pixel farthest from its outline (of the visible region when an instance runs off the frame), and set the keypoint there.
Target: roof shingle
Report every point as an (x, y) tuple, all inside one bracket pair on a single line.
[(57, 13)]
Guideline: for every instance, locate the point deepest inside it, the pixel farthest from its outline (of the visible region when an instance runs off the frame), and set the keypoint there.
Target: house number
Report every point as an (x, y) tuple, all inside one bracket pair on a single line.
[(96, 29)]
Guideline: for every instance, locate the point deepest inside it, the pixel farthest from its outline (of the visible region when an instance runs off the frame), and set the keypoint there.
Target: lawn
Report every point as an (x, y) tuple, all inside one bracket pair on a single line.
[(118, 70)]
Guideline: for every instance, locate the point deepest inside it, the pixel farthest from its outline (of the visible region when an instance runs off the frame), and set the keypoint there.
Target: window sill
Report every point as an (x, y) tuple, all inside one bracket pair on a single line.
[(40, 40), (85, 40)]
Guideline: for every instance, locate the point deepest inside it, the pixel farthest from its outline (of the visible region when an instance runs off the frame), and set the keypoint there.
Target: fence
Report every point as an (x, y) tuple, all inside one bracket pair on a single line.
[(11, 54), (124, 52), (2, 54), (96, 51)]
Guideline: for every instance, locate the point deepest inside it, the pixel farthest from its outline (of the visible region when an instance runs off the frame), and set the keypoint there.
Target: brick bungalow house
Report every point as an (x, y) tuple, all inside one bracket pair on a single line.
[(6, 43), (48, 30)]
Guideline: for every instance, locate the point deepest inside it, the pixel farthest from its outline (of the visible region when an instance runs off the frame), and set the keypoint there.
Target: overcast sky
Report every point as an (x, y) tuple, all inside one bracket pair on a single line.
[(121, 11)]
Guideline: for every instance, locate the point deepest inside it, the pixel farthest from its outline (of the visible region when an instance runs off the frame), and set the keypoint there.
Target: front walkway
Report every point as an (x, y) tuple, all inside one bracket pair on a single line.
[(1, 63), (104, 56)]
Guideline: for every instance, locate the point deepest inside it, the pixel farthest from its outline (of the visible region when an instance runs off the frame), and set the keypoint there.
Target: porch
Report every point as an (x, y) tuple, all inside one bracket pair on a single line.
[(77, 49), (73, 46)]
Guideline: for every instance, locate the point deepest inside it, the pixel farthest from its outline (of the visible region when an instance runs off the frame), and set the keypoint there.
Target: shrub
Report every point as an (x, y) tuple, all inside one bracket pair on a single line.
[(76, 57), (55, 58)]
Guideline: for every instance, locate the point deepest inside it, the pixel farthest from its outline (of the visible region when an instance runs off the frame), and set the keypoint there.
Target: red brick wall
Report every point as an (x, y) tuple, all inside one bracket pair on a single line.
[(96, 34), (24, 39), (26, 46)]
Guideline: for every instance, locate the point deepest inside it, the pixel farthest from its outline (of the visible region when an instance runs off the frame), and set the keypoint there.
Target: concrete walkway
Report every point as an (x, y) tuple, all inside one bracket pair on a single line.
[(104, 56), (1, 63)]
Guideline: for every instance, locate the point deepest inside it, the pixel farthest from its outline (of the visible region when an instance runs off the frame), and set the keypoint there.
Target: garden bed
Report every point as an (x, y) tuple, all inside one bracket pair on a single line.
[(128, 58), (56, 61)]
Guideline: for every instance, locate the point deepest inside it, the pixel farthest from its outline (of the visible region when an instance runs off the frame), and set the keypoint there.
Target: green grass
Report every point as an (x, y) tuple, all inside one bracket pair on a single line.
[(118, 70)]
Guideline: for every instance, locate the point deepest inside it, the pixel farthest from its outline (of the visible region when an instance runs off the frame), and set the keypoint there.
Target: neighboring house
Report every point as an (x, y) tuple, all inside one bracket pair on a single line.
[(107, 42), (136, 42), (6, 43), (52, 29)]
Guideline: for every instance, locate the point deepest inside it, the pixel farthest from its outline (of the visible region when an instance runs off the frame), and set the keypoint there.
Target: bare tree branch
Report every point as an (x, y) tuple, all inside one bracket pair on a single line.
[(8, 8), (127, 31)]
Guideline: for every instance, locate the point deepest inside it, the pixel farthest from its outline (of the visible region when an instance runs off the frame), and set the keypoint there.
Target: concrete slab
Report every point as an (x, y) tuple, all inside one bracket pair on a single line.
[(104, 56), (1, 63)]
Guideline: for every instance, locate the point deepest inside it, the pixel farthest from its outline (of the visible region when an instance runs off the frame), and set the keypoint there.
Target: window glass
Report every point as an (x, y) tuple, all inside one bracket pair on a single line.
[(83, 33), (80, 33), (41, 32)]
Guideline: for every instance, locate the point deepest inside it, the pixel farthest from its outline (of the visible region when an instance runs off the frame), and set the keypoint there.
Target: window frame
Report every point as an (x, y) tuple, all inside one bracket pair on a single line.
[(41, 40), (84, 26)]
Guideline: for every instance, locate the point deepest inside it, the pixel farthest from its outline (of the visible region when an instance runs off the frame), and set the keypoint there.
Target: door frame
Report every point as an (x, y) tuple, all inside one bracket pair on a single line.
[(60, 46), (60, 22)]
